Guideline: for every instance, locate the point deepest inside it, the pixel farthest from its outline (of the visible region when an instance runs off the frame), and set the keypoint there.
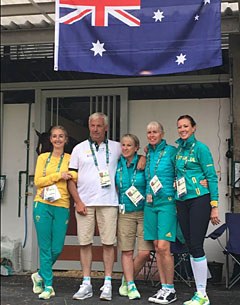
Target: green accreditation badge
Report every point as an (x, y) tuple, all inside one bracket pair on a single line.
[(104, 178), (181, 187), (155, 184), (134, 195)]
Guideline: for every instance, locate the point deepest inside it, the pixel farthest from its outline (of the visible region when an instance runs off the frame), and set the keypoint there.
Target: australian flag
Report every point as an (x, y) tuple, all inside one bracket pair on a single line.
[(137, 37)]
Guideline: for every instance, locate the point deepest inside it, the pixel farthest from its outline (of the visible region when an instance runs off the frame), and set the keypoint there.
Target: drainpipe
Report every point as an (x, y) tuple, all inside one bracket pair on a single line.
[(26, 172)]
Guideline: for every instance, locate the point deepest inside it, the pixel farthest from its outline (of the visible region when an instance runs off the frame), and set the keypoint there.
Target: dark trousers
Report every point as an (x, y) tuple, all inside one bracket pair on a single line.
[(194, 215)]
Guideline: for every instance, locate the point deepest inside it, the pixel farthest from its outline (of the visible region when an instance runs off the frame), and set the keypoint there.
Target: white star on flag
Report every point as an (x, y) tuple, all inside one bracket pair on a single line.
[(98, 48), (206, 2), (196, 18), (180, 59), (158, 15)]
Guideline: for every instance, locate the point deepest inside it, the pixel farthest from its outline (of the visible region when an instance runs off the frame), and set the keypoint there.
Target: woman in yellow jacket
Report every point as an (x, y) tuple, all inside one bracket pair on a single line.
[(51, 209)]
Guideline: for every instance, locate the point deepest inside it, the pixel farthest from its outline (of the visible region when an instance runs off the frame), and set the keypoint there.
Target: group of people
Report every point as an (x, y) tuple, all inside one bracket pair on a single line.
[(147, 198)]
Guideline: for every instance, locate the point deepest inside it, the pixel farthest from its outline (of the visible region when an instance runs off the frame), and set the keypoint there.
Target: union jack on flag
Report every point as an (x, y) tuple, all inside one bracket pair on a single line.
[(137, 37), (100, 10)]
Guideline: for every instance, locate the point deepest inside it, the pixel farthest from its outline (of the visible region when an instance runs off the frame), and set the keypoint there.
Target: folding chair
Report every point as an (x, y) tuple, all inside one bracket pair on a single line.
[(150, 268), (182, 266), (232, 248)]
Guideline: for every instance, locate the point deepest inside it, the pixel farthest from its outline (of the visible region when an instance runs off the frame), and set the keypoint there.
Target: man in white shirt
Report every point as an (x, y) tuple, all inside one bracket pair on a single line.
[(95, 160)]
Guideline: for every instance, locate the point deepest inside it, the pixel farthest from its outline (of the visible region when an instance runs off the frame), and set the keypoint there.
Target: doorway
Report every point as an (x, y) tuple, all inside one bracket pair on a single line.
[(71, 108)]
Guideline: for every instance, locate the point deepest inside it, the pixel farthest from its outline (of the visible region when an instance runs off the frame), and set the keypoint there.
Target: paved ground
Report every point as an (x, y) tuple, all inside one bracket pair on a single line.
[(17, 290)]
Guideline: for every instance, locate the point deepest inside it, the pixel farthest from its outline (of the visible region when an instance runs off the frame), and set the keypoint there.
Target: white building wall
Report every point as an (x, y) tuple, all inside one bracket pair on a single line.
[(211, 116), (14, 156)]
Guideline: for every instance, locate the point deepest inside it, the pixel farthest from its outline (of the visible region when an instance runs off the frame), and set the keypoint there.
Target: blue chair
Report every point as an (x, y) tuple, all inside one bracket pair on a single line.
[(232, 247)]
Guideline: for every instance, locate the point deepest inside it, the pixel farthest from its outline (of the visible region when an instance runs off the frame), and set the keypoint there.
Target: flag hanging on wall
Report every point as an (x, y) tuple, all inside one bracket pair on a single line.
[(137, 37)]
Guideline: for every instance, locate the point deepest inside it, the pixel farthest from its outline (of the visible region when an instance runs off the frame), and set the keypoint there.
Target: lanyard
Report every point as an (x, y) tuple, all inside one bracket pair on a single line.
[(156, 165), (186, 160), (94, 155), (132, 180), (48, 161), (121, 184)]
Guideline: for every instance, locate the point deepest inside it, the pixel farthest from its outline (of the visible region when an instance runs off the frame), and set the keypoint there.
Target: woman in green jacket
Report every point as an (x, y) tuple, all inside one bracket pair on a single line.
[(196, 203), (131, 187)]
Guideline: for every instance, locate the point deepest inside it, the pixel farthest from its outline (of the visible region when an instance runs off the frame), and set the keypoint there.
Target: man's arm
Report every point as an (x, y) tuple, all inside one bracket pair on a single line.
[(79, 205)]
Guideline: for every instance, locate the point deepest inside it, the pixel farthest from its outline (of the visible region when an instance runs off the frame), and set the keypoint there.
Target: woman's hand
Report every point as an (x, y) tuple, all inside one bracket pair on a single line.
[(214, 216), (66, 176), (141, 163), (204, 183)]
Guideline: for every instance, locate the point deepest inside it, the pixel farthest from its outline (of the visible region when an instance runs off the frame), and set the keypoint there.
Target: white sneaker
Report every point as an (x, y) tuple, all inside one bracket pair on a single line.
[(167, 297), (84, 292), (106, 292), (156, 295)]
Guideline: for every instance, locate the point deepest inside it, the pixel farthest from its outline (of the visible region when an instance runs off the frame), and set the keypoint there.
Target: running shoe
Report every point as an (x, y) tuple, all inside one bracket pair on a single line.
[(123, 289), (156, 296), (167, 297), (84, 292), (47, 293), (106, 292), (37, 283), (198, 299), (133, 293)]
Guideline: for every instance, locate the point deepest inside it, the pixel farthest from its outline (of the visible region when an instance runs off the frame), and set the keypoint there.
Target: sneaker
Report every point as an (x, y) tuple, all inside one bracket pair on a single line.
[(106, 292), (37, 283), (133, 293), (156, 296), (123, 289), (166, 297), (84, 292), (47, 293), (198, 299)]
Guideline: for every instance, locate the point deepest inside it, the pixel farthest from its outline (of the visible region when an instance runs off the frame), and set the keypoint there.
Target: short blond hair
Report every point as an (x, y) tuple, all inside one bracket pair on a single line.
[(132, 137), (155, 124)]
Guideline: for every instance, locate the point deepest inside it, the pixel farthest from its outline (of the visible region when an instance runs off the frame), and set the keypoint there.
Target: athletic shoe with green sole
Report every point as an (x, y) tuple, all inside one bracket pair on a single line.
[(198, 299), (47, 293), (133, 293), (37, 283), (123, 289)]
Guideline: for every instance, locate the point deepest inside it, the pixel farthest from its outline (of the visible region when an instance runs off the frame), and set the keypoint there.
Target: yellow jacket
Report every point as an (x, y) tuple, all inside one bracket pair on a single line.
[(53, 177)]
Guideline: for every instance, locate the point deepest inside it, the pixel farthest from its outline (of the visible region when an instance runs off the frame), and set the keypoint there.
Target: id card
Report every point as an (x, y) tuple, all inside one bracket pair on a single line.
[(134, 195), (181, 187), (155, 184), (104, 178), (51, 193), (149, 198)]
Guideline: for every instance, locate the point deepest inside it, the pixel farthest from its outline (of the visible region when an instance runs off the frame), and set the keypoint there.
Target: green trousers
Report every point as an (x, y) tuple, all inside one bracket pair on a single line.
[(51, 224)]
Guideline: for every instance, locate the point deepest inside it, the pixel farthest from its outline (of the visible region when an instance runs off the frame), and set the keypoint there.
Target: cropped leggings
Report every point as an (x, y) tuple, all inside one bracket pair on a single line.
[(194, 215)]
